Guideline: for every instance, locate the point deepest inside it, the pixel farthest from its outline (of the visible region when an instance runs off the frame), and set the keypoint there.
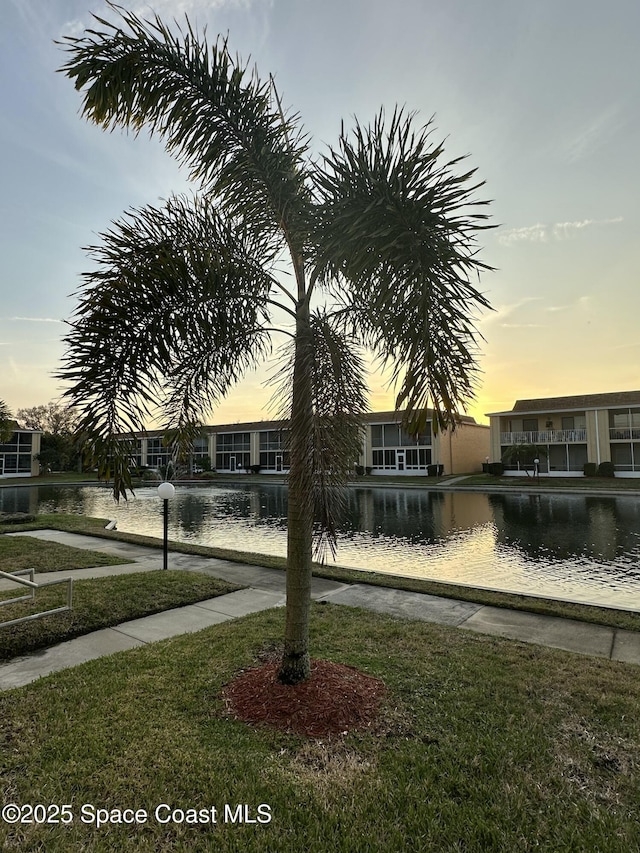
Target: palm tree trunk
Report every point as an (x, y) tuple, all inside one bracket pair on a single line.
[(295, 666)]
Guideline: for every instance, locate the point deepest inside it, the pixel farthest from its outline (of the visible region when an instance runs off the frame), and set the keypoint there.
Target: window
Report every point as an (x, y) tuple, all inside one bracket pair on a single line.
[(274, 439), (274, 455), (389, 440), (201, 445), (577, 456), (619, 419), (233, 441), (233, 451), (529, 424), (391, 435), (621, 456), (376, 435), (158, 453)]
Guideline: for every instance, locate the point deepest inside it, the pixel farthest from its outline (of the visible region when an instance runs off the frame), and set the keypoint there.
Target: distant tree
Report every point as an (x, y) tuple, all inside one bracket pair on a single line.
[(379, 242), (53, 418), (7, 424), (59, 444)]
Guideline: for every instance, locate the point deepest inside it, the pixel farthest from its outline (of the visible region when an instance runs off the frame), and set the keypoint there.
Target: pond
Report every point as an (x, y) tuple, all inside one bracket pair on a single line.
[(578, 547)]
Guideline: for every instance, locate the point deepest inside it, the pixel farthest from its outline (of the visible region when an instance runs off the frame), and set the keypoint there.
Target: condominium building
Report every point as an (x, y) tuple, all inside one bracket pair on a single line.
[(386, 448), (572, 431), (17, 456)]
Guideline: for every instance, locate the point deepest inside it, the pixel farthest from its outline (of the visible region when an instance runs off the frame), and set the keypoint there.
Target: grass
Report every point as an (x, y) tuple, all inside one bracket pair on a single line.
[(597, 615), (484, 745), (22, 552), (100, 603), (54, 479), (595, 484)]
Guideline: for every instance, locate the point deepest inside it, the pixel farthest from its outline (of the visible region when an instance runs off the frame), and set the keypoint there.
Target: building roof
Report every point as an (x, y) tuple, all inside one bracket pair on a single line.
[(609, 400), (370, 417)]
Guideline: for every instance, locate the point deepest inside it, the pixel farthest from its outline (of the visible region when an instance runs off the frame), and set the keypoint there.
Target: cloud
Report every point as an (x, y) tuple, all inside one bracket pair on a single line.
[(531, 234), (540, 233), (36, 320), (564, 230)]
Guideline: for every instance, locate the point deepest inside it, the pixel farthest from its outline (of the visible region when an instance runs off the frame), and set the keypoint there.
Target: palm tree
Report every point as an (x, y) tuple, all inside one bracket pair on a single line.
[(372, 246), (7, 424), (524, 454)]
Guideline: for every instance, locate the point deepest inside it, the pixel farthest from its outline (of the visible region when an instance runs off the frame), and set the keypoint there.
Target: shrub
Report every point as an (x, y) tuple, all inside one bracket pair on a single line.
[(606, 469), (359, 470), (590, 469), (496, 469)]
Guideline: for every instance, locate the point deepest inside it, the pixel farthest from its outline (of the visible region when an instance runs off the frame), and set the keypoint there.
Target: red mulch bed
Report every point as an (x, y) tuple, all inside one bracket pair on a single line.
[(333, 700)]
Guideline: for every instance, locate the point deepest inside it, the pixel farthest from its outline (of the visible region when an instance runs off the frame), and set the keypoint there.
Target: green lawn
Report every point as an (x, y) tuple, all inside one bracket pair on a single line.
[(595, 484), (97, 603), (484, 745), (100, 603), (25, 552)]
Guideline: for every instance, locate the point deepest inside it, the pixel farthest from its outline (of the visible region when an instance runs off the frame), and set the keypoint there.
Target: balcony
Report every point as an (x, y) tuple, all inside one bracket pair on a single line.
[(624, 434), (545, 436)]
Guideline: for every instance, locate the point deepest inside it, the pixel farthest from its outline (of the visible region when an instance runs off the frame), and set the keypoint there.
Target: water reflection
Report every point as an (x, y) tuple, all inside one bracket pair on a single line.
[(569, 546), (563, 526)]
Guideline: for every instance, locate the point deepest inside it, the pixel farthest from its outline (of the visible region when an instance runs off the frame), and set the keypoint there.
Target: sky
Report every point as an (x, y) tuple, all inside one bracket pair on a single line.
[(543, 97)]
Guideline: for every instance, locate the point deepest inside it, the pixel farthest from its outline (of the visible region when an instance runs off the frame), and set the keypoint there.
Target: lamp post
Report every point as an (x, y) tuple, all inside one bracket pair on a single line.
[(536, 463), (165, 492)]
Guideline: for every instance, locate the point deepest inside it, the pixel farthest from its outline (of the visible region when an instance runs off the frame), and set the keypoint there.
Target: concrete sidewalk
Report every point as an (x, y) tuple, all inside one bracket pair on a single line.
[(265, 588)]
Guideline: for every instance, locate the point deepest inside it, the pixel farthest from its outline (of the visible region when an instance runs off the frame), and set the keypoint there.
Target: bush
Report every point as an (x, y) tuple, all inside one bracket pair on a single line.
[(359, 470), (606, 469), (590, 469), (496, 469), (255, 469), (16, 517)]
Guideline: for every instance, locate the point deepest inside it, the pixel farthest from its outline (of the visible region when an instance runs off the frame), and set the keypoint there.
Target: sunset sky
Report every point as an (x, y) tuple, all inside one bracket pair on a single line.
[(544, 97)]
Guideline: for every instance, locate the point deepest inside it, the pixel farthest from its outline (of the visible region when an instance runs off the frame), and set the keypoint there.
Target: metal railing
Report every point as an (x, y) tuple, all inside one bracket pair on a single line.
[(545, 436), (624, 433), (33, 586)]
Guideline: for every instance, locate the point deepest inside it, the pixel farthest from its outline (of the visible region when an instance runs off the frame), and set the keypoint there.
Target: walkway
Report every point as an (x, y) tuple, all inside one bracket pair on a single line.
[(265, 588)]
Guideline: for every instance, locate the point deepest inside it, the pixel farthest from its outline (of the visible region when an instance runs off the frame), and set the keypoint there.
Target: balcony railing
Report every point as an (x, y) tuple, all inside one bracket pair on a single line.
[(624, 434), (546, 436)]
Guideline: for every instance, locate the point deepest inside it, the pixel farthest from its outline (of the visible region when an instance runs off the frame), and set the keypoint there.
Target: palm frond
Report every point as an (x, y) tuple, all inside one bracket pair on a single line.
[(213, 113), (6, 422), (396, 240), (171, 318), (336, 370)]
